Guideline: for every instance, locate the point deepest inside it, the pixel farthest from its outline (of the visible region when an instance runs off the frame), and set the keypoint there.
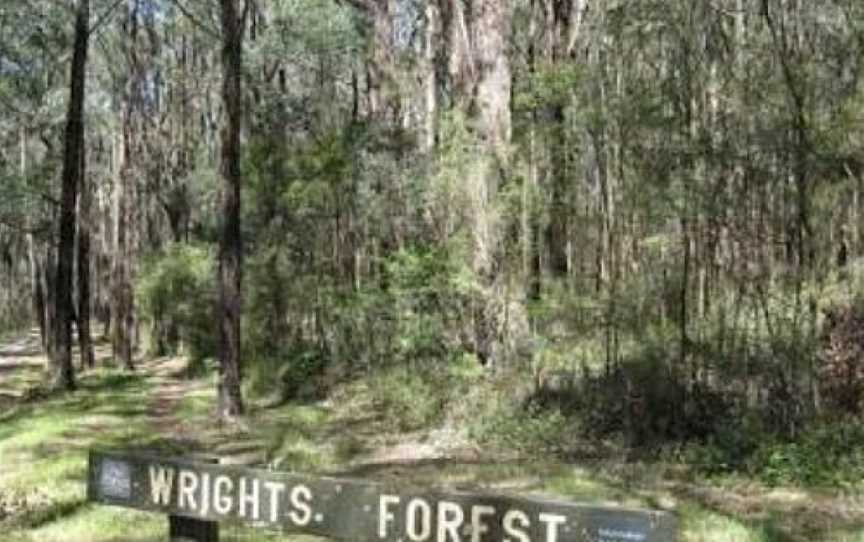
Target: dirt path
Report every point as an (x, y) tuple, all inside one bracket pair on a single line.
[(169, 389)]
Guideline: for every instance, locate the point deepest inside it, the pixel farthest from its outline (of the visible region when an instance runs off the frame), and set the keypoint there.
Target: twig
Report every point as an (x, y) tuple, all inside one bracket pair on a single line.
[(101, 19), (194, 20)]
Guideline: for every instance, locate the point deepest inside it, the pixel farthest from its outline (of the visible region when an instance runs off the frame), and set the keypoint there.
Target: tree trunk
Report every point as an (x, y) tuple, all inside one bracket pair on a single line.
[(123, 299), (477, 38), (561, 29), (85, 341), (230, 247), (47, 282), (62, 374), (430, 79), (379, 62)]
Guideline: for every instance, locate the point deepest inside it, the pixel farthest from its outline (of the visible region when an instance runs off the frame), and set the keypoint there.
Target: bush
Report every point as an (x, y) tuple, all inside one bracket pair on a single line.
[(829, 455), (525, 430), (177, 295), (410, 399), (292, 373)]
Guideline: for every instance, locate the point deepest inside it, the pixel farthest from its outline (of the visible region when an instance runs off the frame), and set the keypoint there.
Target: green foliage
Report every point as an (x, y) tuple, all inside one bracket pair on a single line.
[(425, 292), (830, 455), (176, 294), (826, 454), (410, 399), (532, 430), (292, 372)]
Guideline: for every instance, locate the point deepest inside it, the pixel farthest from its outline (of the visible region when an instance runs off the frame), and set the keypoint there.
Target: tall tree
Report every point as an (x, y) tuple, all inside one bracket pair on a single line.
[(85, 341), (123, 310), (477, 34), (230, 278), (62, 373)]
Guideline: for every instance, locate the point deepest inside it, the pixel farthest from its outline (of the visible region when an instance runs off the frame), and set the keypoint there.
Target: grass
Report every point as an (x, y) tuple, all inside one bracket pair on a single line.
[(44, 442)]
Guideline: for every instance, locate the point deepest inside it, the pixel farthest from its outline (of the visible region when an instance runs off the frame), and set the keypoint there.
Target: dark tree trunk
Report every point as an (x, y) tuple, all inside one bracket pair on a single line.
[(558, 229), (62, 374), (85, 341), (230, 247), (46, 280), (38, 292)]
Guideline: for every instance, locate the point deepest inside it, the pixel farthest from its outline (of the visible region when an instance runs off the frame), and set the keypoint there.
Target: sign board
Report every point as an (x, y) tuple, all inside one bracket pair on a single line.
[(357, 510)]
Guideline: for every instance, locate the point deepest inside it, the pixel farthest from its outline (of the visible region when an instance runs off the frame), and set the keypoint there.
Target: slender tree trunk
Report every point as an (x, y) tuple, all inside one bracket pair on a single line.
[(561, 30), (230, 247), (46, 280), (85, 341), (62, 373), (531, 218), (430, 79), (123, 305), (37, 295)]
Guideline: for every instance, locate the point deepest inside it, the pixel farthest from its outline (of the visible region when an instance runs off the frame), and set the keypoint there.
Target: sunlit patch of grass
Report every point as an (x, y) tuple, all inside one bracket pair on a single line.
[(579, 485), (847, 536), (699, 524), (93, 522), (197, 404), (44, 448), (294, 434)]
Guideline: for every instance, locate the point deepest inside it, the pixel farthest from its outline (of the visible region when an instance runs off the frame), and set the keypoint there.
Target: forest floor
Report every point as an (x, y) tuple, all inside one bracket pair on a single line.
[(44, 442)]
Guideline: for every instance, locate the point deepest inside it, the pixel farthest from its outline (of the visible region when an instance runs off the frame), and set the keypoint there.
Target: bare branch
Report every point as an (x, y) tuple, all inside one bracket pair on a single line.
[(195, 21), (102, 18)]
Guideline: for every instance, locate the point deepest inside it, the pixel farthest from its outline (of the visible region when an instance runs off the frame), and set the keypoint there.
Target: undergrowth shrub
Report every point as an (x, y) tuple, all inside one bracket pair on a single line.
[(289, 373), (410, 399), (828, 455), (177, 295), (525, 430)]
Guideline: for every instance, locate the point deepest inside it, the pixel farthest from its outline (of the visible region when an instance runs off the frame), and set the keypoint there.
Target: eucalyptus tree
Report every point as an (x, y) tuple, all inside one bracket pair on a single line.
[(230, 275), (73, 168)]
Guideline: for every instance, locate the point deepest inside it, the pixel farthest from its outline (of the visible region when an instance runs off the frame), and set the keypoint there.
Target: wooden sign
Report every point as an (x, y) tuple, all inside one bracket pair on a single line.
[(357, 510)]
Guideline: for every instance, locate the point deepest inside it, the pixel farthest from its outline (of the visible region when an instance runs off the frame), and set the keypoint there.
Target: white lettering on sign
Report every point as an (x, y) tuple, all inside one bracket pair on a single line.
[(511, 529), (384, 515), (300, 498), (205, 493), (421, 532), (188, 486), (552, 521), (450, 518), (276, 489), (478, 525), (455, 522), (400, 518), (249, 497), (222, 500), (161, 482)]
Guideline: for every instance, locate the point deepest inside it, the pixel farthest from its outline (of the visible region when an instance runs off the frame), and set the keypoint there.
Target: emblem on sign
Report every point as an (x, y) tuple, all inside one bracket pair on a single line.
[(115, 480)]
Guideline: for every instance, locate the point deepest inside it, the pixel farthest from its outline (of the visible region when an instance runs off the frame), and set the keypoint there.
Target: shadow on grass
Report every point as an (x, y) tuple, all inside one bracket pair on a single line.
[(38, 516), (766, 521), (98, 394)]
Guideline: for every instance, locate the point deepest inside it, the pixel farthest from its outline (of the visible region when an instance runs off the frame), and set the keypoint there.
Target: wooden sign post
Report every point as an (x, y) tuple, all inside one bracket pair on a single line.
[(356, 510)]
